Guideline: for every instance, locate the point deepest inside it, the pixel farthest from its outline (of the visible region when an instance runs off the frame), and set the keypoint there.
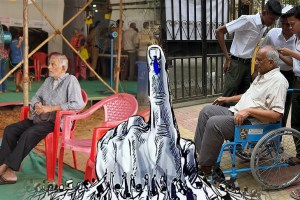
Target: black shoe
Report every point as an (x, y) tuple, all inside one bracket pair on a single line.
[(205, 170), (218, 175)]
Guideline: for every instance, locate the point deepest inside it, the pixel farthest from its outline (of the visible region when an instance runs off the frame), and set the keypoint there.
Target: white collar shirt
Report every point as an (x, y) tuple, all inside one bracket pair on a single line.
[(275, 38), (296, 62), (130, 40), (267, 92), (248, 30)]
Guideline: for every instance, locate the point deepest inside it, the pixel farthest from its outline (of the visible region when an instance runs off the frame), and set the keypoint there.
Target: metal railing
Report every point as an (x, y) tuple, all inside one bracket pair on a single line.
[(185, 77)]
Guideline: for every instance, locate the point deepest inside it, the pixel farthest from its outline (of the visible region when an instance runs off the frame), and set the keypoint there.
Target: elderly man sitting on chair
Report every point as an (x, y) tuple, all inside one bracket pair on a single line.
[(263, 102), (60, 91)]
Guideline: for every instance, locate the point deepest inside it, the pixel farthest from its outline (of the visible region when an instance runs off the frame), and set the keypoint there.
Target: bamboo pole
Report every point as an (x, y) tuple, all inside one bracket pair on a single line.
[(70, 45), (46, 40), (25, 67), (117, 67)]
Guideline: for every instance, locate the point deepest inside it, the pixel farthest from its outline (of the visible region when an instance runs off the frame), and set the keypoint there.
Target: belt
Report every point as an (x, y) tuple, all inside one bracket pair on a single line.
[(243, 60), (297, 78)]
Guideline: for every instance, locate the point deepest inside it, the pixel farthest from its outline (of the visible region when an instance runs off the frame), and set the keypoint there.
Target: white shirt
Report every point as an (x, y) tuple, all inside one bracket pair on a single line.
[(296, 62), (267, 92), (276, 39), (248, 30), (130, 39)]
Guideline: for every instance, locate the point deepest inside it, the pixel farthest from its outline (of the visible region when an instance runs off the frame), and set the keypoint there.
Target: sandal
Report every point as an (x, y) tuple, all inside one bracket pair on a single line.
[(295, 194), (293, 161), (4, 181)]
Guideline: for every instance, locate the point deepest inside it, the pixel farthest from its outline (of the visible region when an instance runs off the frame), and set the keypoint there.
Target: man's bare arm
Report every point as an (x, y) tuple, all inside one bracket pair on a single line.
[(220, 35), (289, 52), (262, 115), (231, 99), (286, 59)]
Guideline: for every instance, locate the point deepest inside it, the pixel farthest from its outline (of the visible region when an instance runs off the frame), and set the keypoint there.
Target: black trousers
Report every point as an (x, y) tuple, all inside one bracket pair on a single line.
[(289, 75), (237, 78), (19, 139), (295, 121)]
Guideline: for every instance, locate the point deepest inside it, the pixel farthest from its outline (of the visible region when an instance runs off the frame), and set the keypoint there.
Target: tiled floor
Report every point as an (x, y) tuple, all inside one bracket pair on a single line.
[(186, 118)]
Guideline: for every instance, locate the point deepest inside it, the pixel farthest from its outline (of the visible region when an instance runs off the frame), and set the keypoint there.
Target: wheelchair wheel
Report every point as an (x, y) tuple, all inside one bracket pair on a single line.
[(270, 157)]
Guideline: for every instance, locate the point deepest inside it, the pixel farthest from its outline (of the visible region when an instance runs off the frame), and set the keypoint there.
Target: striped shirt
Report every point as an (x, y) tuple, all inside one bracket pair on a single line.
[(66, 93)]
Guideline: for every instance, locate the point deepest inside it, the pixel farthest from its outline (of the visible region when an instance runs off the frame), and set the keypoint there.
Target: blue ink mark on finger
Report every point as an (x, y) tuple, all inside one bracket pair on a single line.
[(156, 67)]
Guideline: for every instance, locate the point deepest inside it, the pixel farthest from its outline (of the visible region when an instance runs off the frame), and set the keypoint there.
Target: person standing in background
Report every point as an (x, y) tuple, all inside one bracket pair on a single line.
[(75, 42), (16, 56), (116, 29), (81, 73), (280, 38), (97, 42), (145, 38), (4, 57), (130, 43), (92, 41), (294, 22), (248, 30)]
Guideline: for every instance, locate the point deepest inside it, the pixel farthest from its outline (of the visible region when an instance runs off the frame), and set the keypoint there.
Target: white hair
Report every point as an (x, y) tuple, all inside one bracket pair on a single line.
[(272, 54), (62, 59)]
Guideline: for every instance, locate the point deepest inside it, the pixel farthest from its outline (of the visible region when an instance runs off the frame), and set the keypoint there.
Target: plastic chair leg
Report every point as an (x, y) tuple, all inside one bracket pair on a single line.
[(60, 166), (74, 153), (50, 158), (90, 173), (74, 159)]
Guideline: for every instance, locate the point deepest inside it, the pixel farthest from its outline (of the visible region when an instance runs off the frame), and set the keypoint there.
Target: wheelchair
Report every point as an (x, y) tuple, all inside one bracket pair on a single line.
[(268, 147)]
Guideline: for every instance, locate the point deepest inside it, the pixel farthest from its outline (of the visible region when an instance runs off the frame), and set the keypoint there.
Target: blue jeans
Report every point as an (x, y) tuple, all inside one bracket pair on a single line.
[(2, 74)]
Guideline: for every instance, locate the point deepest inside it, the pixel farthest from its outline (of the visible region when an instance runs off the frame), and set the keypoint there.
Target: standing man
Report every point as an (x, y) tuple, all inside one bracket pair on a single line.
[(130, 43), (281, 38), (248, 30), (294, 22), (16, 55), (97, 40)]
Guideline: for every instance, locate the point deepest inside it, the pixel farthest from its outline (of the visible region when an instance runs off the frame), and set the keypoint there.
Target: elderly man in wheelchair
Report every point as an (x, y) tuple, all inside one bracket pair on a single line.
[(262, 103)]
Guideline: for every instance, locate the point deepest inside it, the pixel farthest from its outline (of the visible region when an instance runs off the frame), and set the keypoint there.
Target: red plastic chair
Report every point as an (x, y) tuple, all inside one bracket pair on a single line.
[(117, 108), (40, 58), (90, 172), (51, 140), (35, 69)]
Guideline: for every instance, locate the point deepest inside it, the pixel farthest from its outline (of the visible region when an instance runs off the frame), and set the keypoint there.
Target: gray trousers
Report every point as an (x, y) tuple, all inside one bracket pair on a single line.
[(215, 124)]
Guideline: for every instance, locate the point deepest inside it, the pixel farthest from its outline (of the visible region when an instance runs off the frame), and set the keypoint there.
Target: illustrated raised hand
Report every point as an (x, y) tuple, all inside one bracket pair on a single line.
[(139, 148)]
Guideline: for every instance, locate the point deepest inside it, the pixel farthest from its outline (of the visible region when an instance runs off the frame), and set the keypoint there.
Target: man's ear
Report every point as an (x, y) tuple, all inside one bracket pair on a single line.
[(264, 13), (64, 68)]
